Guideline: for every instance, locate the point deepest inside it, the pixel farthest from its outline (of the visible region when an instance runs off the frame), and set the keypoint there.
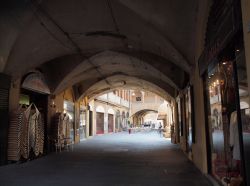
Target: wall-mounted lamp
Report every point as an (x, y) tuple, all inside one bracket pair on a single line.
[(52, 101)]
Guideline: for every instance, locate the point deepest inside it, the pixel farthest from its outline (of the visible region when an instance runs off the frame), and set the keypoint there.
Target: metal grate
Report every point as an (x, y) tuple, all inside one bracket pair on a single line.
[(4, 99)]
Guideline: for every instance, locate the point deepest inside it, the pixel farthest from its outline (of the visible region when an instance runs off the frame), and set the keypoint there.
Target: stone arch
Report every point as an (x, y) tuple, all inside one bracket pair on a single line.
[(100, 108)]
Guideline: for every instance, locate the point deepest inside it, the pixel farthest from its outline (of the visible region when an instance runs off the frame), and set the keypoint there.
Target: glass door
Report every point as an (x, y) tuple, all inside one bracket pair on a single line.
[(82, 125), (70, 110), (221, 85), (243, 111)]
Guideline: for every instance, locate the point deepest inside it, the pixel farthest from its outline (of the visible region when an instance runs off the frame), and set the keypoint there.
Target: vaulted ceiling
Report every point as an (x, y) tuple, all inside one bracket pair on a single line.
[(143, 113), (99, 45)]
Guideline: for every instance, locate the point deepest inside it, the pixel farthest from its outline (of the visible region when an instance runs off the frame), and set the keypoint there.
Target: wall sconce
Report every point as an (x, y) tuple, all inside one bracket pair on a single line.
[(52, 101)]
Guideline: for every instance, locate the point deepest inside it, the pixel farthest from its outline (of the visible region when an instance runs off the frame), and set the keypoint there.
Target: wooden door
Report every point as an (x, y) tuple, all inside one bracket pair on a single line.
[(99, 123), (110, 122)]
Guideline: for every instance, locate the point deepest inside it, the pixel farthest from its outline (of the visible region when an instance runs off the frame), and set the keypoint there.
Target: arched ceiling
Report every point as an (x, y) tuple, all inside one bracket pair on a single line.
[(85, 43), (108, 64), (144, 112), (122, 82)]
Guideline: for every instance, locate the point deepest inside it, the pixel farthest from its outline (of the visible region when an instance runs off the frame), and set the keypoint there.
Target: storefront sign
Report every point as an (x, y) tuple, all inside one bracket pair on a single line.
[(36, 82)]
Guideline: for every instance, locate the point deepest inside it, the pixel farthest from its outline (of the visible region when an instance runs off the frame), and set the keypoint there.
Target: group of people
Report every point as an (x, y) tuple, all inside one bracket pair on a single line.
[(160, 130)]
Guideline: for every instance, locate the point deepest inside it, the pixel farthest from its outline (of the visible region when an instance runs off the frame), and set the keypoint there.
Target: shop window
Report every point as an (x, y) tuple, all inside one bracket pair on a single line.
[(82, 127), (69, 109), (180, 116), (221, 102), (243, 108), (189, 118)]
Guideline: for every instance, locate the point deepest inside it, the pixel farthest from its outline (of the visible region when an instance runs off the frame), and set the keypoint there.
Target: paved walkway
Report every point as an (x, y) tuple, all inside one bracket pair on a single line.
[(115, 159)]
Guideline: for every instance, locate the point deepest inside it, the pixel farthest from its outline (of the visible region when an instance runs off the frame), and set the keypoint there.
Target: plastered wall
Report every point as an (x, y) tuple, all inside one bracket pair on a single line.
[(199, 150)]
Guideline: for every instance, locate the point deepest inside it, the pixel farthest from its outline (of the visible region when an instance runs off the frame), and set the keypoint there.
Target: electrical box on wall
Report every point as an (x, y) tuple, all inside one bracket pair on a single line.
[(138, 98)]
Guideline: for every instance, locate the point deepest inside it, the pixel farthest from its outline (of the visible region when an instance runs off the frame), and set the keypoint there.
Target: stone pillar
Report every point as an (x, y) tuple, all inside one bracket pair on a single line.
[(87, 107), (199, 148), (77, 122), (94, 118), (106, 119), (114, 130), (87, 122), (176, 123)]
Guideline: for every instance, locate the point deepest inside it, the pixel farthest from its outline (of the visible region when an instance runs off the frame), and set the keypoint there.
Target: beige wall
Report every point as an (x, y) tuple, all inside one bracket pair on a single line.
[(65, 95), (106, 107), (199, 147), (77, 122), (176, 124), (59, 100), (149, 101), (199, 155), (92, 108), (14, 95)]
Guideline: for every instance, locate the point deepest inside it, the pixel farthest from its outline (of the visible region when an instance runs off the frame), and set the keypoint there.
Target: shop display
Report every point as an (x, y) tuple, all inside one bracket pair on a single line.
[(223, 123), (82, 125), (69, 110), (188, 120), (26, 133), (17, 120), (234, 136), (61, 129)]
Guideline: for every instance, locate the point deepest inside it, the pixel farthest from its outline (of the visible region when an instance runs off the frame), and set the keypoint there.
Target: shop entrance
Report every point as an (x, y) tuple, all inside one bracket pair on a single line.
[(90, 123), (82, 125), (110, 122), (228, 116), (69, 108), (99, 123), (117, 120), (28, 97)]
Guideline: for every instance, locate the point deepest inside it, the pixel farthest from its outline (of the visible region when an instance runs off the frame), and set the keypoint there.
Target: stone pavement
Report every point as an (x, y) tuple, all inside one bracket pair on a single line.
[(117, 159)]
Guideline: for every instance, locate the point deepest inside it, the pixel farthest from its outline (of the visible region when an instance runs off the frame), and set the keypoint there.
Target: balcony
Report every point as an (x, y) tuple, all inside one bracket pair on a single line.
[(112, 98)]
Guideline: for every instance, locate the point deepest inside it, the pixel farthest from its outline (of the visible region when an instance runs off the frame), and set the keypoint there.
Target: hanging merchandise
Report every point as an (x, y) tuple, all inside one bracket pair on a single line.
[(65, 133), (61, 129), (17, 120), (26, 133), (25, 136), (34, 132), (41, 132)]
